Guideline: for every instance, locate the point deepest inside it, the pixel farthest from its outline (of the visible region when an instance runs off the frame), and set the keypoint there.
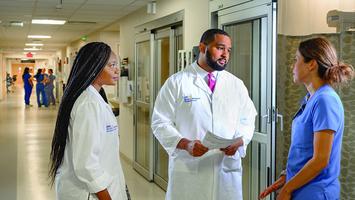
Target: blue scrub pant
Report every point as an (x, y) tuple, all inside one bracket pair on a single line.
[(28, 92), (41, 95)]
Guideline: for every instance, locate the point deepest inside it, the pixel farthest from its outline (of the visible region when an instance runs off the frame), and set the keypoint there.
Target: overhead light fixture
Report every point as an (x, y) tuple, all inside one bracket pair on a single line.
[(48, 21), (59, 5), (31, 49), (16, 23), (152, 7), (34, 44), (39, 36)]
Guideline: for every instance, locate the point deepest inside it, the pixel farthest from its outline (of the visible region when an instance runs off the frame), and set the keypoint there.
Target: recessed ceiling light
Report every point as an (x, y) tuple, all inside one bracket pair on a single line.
[(34, 44), (31, 49), (48, 21), (39, 36)]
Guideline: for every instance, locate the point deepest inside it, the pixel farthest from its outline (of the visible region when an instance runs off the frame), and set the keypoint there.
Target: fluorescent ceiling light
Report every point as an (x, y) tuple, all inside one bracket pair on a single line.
[(34, 44), (48, 21), (31, 49), (39, 36)]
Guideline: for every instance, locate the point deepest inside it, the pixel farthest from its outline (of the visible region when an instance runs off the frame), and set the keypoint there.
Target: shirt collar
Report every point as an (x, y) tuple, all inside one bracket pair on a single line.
[(202, 73), (96, 93)]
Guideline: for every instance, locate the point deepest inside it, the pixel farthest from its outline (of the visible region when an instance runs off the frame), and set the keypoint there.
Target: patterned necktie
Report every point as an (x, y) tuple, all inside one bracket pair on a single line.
[(211, 81)]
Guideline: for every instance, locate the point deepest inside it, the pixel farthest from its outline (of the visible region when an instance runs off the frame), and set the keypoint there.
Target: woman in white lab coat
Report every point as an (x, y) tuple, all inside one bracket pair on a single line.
[(84, 157), (186, 109)]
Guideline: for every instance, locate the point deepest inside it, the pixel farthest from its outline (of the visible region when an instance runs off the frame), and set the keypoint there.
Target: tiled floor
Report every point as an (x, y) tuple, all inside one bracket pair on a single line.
[(25, 137)]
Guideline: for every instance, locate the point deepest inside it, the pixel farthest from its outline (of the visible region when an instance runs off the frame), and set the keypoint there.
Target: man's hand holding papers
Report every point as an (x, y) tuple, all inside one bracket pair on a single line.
[(228, 146)]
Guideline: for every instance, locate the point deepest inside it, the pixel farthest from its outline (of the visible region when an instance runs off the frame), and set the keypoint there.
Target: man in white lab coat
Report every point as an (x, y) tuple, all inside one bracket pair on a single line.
[(203, 97)]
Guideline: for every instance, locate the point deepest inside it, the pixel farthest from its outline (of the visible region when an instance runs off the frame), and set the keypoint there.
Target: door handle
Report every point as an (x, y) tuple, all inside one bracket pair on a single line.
[(267, 116), (281, 117)]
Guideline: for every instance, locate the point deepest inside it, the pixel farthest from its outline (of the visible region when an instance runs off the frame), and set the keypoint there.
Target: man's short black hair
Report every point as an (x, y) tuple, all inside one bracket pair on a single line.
[(208, 36)]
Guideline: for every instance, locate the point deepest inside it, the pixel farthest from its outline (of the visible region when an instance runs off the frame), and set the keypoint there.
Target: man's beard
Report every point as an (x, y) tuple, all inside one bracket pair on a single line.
[(214, 64)]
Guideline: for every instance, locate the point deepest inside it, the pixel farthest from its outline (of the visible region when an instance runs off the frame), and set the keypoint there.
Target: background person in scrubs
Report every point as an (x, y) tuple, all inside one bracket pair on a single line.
[(41, 96), (85, 152), (313, 164), (28, 85)]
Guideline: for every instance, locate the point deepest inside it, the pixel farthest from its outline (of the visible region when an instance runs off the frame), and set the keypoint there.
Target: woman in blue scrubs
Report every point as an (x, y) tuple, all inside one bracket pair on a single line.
[(313, 164), (28, 85), (41, 95)]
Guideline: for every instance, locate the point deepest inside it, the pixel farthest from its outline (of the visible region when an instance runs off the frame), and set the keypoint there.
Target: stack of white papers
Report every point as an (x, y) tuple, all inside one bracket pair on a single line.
[(212, 141)]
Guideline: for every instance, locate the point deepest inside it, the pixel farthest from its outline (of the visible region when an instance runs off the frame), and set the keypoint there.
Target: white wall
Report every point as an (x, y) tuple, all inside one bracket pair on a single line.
[(111, 38), (304, 17), (195, 23)]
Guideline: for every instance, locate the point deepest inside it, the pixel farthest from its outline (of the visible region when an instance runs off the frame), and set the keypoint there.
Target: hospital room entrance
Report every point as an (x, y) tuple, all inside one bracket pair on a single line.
[(156, 58), (250, 28)]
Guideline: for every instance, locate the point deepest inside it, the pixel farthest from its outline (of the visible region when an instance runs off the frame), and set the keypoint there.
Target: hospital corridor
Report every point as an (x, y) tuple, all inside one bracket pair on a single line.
[(188, 99), (26, 135)]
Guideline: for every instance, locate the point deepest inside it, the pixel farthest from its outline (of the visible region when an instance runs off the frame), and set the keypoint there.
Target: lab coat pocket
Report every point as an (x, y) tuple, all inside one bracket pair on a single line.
[(186, 164), (232, 163)]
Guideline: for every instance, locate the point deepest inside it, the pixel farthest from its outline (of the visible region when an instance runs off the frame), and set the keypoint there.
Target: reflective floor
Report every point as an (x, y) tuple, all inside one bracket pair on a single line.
[(25, 137)]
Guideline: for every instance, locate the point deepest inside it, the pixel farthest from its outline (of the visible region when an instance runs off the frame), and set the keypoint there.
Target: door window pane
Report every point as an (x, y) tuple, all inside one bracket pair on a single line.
[(142, 105)]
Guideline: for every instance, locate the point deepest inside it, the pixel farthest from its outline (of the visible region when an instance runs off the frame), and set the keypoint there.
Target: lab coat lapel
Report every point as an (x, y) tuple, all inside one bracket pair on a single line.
[(198, 81)]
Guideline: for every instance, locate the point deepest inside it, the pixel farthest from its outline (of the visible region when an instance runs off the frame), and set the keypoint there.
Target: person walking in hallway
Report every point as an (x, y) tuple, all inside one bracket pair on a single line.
[(313, 164), (28, 85), (204, 98), (85, 160)]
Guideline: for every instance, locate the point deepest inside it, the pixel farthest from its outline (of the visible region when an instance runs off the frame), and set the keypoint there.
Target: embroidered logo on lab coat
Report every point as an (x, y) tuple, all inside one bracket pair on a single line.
[(111, 128), (188, 99)]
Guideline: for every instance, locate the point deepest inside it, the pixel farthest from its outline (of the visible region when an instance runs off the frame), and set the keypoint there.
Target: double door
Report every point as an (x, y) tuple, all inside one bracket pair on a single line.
[(252, 61), (156, 58)]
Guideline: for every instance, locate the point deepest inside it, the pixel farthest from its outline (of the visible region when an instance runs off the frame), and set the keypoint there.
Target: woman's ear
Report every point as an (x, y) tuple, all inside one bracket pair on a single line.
[(313, 65)]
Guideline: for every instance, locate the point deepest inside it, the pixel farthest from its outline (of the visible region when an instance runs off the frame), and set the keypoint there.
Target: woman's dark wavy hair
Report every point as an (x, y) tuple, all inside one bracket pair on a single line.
[(88, 64)]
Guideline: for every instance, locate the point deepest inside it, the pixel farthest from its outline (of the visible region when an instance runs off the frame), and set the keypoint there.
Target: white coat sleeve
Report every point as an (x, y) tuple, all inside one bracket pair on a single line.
[(163, 118), (86, 145), (247, 120)]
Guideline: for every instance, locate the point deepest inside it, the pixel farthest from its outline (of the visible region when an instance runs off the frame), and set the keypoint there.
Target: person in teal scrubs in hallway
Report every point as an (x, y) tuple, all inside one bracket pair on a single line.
[(313, 164)]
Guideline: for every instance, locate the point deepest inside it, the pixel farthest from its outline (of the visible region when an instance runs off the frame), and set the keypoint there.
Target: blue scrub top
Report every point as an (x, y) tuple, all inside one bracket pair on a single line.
[(26, 81), (322, 111)]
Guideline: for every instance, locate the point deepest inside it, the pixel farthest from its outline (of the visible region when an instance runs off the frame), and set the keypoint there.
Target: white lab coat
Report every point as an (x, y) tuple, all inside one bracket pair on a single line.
[(91, 160), (185, 107)]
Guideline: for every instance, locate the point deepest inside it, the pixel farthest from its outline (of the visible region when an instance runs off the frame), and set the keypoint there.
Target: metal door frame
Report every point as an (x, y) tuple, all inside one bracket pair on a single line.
[(265, 13), (170, 31), (148, 174)]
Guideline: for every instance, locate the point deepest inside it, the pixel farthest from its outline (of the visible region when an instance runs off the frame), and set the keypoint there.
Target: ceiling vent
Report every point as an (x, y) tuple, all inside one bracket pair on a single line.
[(343, 21), (13, 24)]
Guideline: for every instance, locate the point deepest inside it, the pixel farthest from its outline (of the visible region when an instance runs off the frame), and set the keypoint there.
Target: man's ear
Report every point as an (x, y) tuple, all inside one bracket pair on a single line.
[(202, 47)]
